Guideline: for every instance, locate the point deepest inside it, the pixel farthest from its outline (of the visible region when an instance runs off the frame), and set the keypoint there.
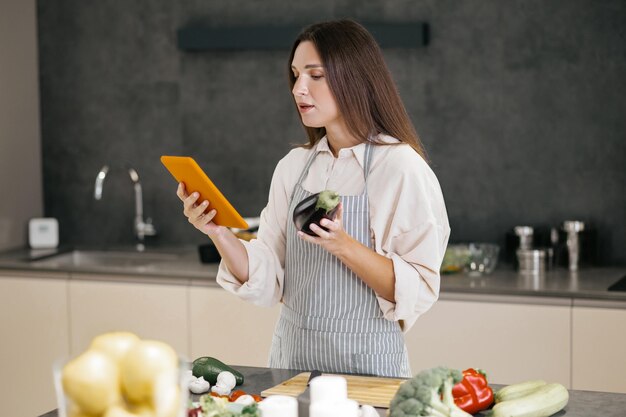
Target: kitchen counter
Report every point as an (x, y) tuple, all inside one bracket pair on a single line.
[(581, 403), (182, 265), (587, 283)]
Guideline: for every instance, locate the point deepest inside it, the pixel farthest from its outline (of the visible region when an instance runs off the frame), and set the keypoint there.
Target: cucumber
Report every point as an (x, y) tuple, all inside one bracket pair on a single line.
[(210, 368), (543, 402), (513, 391)]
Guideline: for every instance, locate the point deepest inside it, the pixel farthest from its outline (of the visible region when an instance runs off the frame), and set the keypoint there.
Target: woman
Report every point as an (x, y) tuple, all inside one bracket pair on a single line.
[(350, 291)]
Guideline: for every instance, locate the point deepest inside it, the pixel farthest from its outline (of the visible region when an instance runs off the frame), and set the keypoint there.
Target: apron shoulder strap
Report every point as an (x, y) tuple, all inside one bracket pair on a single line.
[(367, 161), (305, 170)]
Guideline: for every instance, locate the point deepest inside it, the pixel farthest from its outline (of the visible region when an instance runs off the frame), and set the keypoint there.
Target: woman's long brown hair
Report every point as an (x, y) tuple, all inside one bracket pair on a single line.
[(360, 81)]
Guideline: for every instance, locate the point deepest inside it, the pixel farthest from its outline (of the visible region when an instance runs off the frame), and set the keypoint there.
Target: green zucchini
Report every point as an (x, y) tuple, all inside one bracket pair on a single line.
[(210, 368), (513, 391), (546, 400)]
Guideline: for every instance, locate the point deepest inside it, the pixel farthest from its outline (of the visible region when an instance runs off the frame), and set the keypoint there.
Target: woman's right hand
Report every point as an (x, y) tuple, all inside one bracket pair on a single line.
[(230, 248), (197, 213)]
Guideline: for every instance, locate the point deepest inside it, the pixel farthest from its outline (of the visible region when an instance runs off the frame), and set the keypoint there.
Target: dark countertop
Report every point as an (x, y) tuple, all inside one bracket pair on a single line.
[(581, 403), (587, 283), (182, 265)]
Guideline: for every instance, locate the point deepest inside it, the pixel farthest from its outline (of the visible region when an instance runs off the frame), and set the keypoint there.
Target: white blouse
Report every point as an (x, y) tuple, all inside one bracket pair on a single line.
[(408, 221)]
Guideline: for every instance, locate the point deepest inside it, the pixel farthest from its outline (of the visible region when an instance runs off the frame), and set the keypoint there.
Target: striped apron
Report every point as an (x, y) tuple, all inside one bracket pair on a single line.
[(330, 319)]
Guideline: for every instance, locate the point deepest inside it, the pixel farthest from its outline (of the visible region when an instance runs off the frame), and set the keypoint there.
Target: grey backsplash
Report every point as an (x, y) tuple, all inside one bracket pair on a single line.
[(521, 106)]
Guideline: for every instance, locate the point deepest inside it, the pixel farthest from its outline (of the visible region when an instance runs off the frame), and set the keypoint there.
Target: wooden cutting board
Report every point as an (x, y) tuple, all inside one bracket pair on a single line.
[(374, 391)]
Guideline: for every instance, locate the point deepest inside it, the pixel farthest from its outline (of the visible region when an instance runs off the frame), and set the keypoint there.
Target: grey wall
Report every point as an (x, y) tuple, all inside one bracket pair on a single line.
[(520, 105)]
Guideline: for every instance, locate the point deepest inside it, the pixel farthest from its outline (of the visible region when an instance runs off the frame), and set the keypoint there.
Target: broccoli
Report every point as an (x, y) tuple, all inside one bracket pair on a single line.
[(218, 407), (214, 407), (251, 410), (428, 393)]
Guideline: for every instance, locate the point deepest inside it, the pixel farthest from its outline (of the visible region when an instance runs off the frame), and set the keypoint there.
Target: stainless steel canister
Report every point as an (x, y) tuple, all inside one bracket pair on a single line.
[(525, 234), (531, 261), (573, 228)]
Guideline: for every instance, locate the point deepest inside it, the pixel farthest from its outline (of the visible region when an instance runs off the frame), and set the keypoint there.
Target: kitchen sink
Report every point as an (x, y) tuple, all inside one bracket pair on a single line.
[(109, 258), (181, 261)]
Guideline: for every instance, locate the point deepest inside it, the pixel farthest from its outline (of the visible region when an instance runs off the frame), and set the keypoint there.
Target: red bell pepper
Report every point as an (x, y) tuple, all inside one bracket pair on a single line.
[(473, 394)]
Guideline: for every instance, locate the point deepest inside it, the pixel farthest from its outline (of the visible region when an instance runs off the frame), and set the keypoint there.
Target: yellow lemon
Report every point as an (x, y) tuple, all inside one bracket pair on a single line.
[(147, 364), (114, 344), (92, 381)]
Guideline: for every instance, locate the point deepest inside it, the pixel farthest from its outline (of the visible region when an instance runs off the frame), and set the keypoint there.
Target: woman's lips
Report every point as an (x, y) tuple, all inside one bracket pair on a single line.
[(304, 108)]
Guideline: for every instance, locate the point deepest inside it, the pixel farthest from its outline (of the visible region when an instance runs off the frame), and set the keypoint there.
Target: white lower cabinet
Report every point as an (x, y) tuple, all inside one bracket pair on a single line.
[(151, 310), (230, 329), (34, 333), (512, 338), (599, 346)]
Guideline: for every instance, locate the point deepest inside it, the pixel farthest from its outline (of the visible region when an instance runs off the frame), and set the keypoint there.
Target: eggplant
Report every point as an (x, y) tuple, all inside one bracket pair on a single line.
[(313, 209)]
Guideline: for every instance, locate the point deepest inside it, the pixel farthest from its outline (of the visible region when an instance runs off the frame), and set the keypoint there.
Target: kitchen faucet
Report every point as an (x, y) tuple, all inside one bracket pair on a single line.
[(141, 228)]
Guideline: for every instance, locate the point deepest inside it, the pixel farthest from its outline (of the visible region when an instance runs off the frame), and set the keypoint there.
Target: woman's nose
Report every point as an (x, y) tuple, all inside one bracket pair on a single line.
[(300, 88)]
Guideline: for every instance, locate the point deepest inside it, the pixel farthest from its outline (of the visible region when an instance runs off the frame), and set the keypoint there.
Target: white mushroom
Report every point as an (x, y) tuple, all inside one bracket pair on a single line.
[(199, 386), (218, 389), (226, 380)]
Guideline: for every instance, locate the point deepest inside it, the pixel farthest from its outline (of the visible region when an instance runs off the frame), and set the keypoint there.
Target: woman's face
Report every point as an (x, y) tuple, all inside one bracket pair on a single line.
[(315, 101)]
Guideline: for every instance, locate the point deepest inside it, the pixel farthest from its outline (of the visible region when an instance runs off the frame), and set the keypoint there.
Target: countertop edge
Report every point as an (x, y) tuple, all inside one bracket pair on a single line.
[(588, 289)]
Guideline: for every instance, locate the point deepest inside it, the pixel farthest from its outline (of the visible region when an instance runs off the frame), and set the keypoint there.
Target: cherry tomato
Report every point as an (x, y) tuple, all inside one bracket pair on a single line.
[(236, 394)]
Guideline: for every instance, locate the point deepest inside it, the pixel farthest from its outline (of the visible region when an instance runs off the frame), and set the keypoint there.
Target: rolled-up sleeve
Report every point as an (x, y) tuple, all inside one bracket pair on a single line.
[(410, 227), (266, 276), (416, 262)]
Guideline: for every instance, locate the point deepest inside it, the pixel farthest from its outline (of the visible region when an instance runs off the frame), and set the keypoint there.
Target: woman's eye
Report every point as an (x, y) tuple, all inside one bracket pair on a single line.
[(317, 77)]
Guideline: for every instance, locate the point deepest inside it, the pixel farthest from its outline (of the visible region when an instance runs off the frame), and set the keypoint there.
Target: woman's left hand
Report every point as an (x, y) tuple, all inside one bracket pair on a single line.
[(334, 239)]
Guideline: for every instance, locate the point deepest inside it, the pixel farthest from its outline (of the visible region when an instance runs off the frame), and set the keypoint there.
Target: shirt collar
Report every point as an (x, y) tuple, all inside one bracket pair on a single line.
[(356, 151)]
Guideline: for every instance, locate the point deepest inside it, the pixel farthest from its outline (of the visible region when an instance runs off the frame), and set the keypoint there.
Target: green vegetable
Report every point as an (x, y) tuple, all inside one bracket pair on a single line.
[(513, 391), (251, 410), (428, 393), (210, 368), (214, 407), (327, 200), (218, 407), (546, 400)]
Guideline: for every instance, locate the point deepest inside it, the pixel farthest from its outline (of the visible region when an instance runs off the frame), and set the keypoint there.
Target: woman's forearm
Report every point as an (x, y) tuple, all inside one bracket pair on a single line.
[(233, 253), (374, 269)]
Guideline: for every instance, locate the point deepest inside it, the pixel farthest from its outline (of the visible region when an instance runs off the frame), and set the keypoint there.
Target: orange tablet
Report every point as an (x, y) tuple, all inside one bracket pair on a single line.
[(186, 170)]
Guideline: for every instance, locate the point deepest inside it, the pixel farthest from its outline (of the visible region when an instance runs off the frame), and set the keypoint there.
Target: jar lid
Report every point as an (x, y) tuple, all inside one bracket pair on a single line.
[(523, 230)]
